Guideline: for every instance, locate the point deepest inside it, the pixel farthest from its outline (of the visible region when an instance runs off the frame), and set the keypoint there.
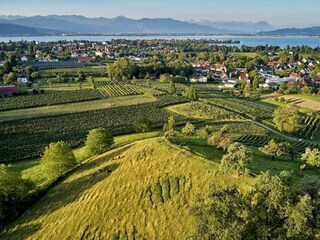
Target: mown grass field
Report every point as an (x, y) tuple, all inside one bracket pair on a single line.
[(75, 107), (31, 170), (148, 195)]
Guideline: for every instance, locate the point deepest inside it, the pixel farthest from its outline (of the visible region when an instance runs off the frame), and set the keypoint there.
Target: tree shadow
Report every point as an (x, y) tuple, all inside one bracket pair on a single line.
[(21, 232), (61, 192), (65, 193)]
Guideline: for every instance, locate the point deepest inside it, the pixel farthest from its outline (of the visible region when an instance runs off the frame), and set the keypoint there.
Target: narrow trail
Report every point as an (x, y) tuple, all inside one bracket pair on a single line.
[(274, 131)]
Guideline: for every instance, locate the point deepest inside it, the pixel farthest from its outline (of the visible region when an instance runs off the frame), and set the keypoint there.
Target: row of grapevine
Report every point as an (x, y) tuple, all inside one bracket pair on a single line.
[(47, 99), (113, 89), (311, 127), (26, 138), (250, 108), (261, 140)]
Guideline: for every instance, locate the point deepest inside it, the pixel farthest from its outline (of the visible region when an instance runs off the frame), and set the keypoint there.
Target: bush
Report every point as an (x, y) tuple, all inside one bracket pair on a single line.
[(189, 129), (142, 125)]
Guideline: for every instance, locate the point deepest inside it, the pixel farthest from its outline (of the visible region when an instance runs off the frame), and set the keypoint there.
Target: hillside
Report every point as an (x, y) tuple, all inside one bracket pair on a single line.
[(81, 25), (14, 29), (312, 31), (148, 194)]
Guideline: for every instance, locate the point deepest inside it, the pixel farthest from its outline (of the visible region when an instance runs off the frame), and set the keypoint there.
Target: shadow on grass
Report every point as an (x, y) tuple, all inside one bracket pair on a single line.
[(21, 232), (199, 147), (61, 193)]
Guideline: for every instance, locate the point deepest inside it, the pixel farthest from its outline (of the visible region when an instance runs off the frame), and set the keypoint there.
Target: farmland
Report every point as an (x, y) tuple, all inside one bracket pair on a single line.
[(253, 109), (34, 112), (113, 89), (48, 99), (29, 136)]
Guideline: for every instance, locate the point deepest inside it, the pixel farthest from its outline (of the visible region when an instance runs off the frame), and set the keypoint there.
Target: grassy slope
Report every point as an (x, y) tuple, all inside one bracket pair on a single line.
[(74, 107), (148, 195)]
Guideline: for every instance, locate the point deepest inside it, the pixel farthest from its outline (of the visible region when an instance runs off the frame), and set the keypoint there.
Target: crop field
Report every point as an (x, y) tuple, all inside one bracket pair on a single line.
[(161, 87), (74, 107), (48, 99), (250, 108), (203, 111), (155, 177), (261, 140), (28, 137), (113, 89), (311, 127)]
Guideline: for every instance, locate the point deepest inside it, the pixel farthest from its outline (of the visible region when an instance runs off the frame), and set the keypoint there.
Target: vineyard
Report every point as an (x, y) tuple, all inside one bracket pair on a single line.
[(114, 89), (261, 140), (311, 127), (47, 99), (252, 109), (24, 139), (204, 111)]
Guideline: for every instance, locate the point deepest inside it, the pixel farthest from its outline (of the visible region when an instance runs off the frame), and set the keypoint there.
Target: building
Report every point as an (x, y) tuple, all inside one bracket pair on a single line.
[(7, 91)]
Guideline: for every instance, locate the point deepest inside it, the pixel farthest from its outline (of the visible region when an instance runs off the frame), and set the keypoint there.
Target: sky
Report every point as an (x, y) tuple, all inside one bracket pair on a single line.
[(298, 13)]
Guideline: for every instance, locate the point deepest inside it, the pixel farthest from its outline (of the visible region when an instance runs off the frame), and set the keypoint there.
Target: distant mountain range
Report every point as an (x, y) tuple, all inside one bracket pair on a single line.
[(82, 25), (312, 31), (74, 24), (238, 27)]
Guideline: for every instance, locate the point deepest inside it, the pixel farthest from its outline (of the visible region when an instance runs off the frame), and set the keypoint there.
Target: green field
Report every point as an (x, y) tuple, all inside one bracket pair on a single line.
[(162, 181), (74, 107)]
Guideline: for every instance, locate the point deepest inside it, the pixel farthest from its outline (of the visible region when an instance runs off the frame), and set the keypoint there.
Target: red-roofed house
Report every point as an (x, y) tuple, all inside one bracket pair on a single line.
[(6, 91), (84, 59)]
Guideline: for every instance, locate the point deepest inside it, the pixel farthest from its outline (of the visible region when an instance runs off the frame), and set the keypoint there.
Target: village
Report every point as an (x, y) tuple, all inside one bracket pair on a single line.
[(271, 66)]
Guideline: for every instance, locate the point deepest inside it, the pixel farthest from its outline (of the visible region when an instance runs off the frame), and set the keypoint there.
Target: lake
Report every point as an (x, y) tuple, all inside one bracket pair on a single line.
[(281, 41)]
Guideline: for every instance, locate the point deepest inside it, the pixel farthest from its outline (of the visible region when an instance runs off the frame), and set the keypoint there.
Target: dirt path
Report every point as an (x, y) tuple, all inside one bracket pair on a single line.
[(274, 131)]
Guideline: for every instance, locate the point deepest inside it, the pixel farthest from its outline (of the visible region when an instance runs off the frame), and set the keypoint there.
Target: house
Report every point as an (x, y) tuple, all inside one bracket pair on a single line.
[(201, 79), (22, 77), (220, 67), (272, 85), (6, 91), (24, 59), (84, 59)]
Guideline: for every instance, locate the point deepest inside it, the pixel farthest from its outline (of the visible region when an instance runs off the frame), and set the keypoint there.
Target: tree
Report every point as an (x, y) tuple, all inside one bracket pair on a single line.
[(220, 139), (122, 68), (191, 93), (57, 159), (189, 129), (273, 149), (172, 87), (98, 140), (164, 78), (286, 118), (271, 209), (236, 159), (142, 125), (312, 157), (81, 76), (9, 78), (169, 126), (92, 82), (13, 189)]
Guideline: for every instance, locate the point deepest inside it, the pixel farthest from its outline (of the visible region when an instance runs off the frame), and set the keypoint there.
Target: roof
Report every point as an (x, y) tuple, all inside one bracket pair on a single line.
[(4, 90), (84, 59)]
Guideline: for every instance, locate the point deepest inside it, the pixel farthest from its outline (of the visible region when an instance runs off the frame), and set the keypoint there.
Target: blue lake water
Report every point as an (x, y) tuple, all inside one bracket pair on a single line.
[(281, 41)]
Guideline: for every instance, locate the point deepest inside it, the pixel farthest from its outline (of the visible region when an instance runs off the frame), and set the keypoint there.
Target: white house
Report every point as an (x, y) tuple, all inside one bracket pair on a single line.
[(201, 79), (24, 59)]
